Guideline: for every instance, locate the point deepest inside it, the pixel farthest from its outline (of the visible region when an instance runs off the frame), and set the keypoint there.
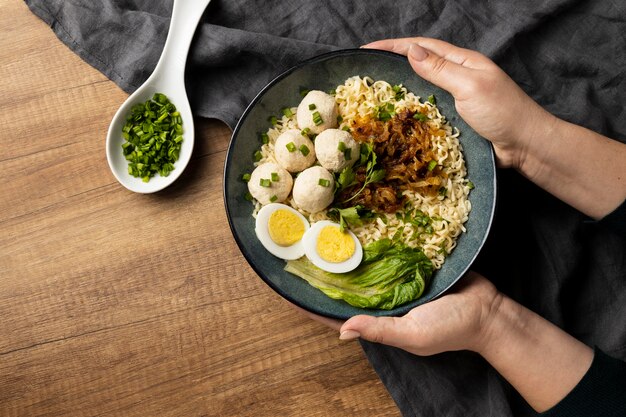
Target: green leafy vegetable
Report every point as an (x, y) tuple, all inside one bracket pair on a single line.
[(391, 274), (372, 175), (153, 136), (346, 179), (351, 216), (432, 100)]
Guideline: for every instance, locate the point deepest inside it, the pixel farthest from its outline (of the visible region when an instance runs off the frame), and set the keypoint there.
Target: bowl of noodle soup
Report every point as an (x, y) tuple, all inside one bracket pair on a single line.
[(458, 197)]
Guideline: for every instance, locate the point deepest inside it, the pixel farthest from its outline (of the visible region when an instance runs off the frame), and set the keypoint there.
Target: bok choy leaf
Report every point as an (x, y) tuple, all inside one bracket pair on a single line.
[(390, 275)]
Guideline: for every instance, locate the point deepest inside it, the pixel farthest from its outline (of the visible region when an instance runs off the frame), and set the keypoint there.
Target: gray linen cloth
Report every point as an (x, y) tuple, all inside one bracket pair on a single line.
[(569, 55)]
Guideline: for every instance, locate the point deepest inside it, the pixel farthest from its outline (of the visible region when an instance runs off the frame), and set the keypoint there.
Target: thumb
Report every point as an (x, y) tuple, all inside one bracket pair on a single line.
[(386, 330), (443, 73)]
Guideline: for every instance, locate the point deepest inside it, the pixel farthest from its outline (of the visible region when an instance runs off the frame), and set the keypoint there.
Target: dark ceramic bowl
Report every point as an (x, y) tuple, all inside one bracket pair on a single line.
[(324, 73)]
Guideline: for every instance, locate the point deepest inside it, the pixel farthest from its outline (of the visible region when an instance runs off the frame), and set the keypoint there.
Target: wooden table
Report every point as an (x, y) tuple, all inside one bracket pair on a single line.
[(115, 303)]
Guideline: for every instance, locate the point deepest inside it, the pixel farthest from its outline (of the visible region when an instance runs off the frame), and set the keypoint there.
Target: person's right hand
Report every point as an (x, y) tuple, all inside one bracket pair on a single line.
[(485, 96)]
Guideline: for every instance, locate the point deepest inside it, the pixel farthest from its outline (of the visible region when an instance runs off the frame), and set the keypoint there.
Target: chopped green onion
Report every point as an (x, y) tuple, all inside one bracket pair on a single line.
[(346, 128), (290, 146), (305, 150), (443, 191), (324, 182), (317, 118), (273, 120), (432, 100), (304, 92), (264, 182), (421, 117), (275, 176), (160, 98), (341, 146), (258, 156), (470, 185), (339, 119), (386, 112), (152, 138), (248, 197), (347, 154), (332, 92), (306, 131), (432, 165), (312, 106), (397, 89), (246, 177), (287, 112), (273, 198), (265, 139)]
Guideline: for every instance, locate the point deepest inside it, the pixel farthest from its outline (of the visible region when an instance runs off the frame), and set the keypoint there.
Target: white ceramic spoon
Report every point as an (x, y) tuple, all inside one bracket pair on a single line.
[(168, 78)]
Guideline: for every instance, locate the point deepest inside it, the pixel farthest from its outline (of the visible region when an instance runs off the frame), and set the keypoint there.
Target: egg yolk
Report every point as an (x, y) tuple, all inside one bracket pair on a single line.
[(334, 246), (285, 227)]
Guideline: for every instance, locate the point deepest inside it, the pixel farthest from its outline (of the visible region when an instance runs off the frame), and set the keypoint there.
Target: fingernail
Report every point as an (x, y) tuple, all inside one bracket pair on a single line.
[(349, 335), (417, 53)]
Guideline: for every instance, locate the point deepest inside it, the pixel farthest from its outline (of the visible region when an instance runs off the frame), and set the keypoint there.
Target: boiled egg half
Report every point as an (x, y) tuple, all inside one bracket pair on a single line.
[(280, 229), (330, 249)]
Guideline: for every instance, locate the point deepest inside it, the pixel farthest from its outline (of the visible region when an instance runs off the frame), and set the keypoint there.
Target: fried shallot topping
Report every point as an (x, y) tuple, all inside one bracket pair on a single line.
[(403, 149)]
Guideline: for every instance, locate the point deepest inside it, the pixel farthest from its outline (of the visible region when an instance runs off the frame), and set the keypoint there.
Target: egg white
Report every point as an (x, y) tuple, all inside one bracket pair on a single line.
[(309, 240), (294, 251)]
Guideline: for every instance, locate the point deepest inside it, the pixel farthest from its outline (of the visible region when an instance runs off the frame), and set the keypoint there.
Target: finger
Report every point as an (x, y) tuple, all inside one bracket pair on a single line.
[(399, 46), (438, 70), (458, 55), (390, 331)]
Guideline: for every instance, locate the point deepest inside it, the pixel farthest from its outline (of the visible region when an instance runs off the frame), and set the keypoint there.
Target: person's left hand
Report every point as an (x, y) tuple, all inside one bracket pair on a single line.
[(459, 320)]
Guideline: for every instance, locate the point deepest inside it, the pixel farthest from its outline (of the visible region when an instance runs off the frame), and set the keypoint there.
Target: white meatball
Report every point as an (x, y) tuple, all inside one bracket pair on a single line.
[(290, 149), (330, 152), (270, 183), (317, 104), (309, 193)]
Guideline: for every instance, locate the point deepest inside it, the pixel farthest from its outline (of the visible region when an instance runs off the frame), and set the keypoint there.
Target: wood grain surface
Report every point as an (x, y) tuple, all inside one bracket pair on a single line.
[(120, 304)]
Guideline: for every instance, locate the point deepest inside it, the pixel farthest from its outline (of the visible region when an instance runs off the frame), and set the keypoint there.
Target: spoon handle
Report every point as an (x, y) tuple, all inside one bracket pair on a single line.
[(185, 17)]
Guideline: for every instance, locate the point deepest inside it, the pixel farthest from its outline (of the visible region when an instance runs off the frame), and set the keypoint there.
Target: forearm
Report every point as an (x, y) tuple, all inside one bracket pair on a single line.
[(542, 362), (578, 166)]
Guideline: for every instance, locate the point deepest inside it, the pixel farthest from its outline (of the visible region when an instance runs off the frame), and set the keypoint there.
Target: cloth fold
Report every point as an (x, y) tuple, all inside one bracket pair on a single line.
[(569, 55)]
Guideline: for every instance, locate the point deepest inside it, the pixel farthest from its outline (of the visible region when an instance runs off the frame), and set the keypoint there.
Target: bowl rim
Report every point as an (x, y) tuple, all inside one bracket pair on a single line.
[(400, 310)]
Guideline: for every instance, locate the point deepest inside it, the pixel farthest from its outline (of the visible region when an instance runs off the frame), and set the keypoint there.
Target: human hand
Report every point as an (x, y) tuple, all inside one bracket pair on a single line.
[(459, 320), (485, 96)]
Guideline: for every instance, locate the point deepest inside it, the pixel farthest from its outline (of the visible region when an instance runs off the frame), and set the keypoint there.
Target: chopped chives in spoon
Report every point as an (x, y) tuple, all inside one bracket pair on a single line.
[(153, 138)]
